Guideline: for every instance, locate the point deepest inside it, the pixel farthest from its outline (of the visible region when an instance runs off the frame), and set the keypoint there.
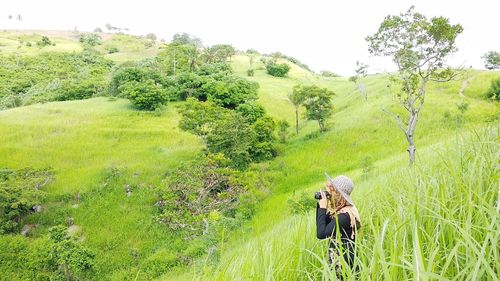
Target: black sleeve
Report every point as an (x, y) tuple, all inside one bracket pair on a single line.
[(325, 226)]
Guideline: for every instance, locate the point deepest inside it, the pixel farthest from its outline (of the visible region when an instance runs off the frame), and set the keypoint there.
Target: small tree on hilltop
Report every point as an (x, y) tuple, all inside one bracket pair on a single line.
[(356, 79), (318, 103), (297, 98), (491, 60), (419, 47)]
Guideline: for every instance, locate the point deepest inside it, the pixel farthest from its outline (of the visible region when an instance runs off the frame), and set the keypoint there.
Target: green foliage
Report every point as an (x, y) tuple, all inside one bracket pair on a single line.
[(150, 36), (71, 259), (158, 263), (131, 73), (25, 259), (277, 69), (90, 39), (45, 41), (250, 72), (327, 73), (493, 92), (24, 80), (20, 191), (186, 39), (218, 53), (229, 132), (176, 58), (230, 90), (194, 190), (302, 204), (251, 111), (145, 95), (491, 60), (317, 101), (112, 50), (231, 136), (283, 126), (263, 146)]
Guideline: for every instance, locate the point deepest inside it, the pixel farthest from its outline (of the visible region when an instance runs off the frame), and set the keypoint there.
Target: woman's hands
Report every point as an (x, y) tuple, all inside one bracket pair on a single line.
[(323, 201)]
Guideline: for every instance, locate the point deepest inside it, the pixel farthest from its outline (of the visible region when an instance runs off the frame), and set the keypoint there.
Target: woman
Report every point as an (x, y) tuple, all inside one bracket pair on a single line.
[(338, 210)]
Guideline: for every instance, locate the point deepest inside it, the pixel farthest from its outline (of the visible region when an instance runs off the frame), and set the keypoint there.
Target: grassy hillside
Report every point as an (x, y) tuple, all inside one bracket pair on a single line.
[(100, 146), (129, 47)]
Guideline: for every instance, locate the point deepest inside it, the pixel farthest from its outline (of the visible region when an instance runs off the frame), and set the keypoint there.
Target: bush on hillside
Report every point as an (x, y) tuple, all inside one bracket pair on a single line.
[(145, 95), (493, 92), (229, 91), (69, 257), (196, 189), (277, 69), (133, 73), (20, 191), (45, 41), (251, 111), (90, 39)]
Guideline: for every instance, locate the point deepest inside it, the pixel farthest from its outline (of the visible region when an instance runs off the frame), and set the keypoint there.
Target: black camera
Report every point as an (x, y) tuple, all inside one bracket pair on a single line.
[(317, 195)]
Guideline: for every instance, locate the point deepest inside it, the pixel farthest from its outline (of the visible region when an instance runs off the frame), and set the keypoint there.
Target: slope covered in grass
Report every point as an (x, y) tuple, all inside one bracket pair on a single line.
[(361, 138), (100, 147)]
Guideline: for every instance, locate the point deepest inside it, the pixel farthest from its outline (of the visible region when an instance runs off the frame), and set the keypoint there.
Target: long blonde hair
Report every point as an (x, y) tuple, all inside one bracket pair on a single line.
[(338, 205)]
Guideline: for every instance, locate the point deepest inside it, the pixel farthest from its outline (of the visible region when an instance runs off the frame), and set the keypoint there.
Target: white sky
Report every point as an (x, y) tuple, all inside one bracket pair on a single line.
[(323, 34)]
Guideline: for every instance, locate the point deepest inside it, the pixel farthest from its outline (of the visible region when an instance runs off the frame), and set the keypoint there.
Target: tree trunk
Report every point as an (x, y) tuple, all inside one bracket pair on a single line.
[(297, 120), (411, 150)]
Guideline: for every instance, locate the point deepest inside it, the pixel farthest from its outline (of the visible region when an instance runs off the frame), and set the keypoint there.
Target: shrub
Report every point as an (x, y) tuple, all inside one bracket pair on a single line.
[(112, 50), (283, 126), (20, 191), (195, 189), (70, 258), (493, 92), (251, 111), (133, 73), (146, 95), (90, 39), (277, 69), (230, 90), (159, 263), (45, 41), (250, 72), (263, 147), (326, 73)]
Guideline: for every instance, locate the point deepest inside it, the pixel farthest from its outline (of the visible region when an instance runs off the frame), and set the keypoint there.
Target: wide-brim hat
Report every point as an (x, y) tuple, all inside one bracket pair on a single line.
[(342, 185)]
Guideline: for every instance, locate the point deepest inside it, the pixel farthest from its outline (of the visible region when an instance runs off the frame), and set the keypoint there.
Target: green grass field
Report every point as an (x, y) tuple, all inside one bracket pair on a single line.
[(436, 221)]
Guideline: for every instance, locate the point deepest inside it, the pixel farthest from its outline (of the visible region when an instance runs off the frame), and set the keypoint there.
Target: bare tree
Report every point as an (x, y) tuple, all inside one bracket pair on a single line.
[(419, 47)]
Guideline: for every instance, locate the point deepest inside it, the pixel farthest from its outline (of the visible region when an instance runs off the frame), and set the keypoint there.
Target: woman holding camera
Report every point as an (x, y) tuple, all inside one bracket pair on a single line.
[(337, 217)]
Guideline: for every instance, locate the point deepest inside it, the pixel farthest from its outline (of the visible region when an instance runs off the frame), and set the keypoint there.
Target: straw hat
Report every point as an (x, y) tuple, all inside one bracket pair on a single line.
[(343, 185)]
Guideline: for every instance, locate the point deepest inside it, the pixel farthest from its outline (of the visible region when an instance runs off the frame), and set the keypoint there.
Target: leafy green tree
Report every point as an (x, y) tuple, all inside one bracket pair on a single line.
[(318, 104), (70, 257), (493, 92), (283, 126), (419, 47), (263, 146), (251, 111), (186, 39), (230, 90), (491, 60), (145, 95), (219, 53), (297, 98), (176, 58), (198, 117), (90, 39), (231, 136), (277, 69), (131, 73)]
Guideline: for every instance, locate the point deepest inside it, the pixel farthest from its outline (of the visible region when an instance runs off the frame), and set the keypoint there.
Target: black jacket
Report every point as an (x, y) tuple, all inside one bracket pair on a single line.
[(326, 226)]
